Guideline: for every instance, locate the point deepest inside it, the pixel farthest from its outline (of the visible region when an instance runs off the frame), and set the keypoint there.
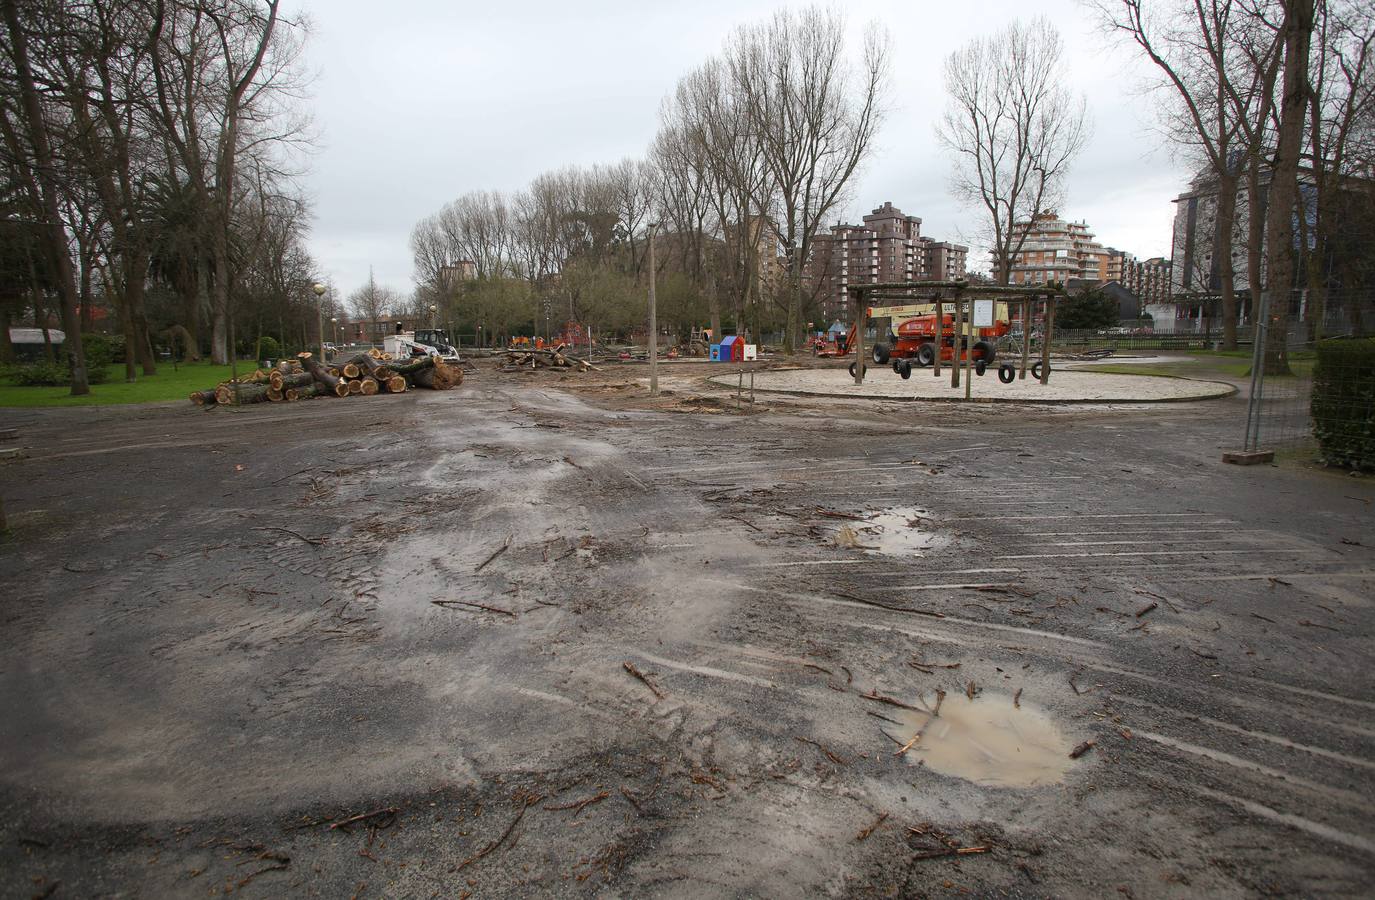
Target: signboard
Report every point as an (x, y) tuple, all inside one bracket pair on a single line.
[(751, 351), (983, 313)]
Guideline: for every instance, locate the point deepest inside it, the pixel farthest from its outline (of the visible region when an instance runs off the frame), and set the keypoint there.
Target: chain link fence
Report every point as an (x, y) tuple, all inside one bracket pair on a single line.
[(1304, 342)]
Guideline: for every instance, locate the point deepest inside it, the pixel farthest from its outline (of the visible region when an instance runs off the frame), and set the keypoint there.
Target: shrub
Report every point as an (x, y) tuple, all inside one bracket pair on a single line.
[(268, 348), (1343, 404), (100, 350), (41, 374)]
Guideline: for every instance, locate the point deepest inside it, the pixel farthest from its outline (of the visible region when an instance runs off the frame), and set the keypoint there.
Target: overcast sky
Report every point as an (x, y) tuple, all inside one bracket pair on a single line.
[(419, 101)]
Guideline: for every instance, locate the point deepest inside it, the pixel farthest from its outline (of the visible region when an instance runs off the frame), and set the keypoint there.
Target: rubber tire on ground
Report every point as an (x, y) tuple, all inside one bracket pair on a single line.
[(980, 367), (881, 354), (864, 368), (1007, 372), (905, 370), (926, 355), (1036, 370), (985, 350)]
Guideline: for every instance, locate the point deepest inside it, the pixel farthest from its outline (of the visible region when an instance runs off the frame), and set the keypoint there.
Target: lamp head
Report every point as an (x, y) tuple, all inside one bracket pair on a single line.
[(318, 288)]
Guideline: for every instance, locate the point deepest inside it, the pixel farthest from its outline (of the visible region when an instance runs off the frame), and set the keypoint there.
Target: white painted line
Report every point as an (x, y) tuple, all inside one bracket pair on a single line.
[(1100, 516), (1155, 553), (1237, 762), (944, 620), (1258, 735), (704, 670), (1327, 832)]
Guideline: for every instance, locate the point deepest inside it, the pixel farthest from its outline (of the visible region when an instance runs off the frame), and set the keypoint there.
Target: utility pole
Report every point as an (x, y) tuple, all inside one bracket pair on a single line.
[(319, 290), (653, 321)]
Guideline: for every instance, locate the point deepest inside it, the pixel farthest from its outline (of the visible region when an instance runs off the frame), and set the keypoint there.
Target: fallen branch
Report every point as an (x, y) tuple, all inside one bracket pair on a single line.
[(497, 843), (838, 760), (315, 541), (345, 823), (889, 606), (1147, 608), (500, 550), (580, 805), (633, 670), (870, 830), (949, 851), (891, 701), (1082, 749), (494, 609)]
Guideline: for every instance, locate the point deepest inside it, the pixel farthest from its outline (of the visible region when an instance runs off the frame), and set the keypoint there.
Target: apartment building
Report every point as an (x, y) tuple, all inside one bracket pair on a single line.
[(887, 247), (1148, 279), (1056, 250)]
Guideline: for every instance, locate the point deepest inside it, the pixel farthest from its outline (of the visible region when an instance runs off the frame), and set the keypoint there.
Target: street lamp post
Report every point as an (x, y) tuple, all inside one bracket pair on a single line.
[(653, 321), (433, 309), (319, 290), (334, 330)]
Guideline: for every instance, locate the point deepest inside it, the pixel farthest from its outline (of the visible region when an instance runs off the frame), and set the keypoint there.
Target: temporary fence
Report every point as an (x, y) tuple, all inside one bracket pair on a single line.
[(1312, 378)]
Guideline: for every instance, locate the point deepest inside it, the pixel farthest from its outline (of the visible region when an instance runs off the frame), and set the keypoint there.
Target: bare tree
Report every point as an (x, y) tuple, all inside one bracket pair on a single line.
[(1217, 62), (39, 173), (1014, 130), (374, 302), (815, 118)]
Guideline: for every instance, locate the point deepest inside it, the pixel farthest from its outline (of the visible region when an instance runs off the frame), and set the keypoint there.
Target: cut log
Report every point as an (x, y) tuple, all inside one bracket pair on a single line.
[(438, 377), (275, 394), (356, 386), (202, 398), (410, 367), (369, 386), (238, 393), (395, 384), (315, 389), (341, 388), (290, 380), (351, 370), (319, 373)]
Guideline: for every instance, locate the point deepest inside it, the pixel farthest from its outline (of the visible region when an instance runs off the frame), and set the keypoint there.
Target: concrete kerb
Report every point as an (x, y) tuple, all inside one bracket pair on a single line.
[(1222, 390)]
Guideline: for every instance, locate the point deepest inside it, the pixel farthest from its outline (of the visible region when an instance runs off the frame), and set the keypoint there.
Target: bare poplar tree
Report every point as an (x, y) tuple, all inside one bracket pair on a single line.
[(814, 116), (1014, 130)]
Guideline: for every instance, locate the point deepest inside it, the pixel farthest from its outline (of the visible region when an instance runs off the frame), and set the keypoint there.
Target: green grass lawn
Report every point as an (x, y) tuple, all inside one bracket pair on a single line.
[(168, 384), (1208, 364)]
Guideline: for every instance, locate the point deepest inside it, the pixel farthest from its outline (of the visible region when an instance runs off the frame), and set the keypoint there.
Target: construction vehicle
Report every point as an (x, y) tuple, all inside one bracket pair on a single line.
[(915, 341), (424, 342)]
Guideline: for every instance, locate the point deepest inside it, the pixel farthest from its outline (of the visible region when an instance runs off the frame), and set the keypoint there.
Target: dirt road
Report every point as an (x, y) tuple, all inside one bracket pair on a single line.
[(563, 642)]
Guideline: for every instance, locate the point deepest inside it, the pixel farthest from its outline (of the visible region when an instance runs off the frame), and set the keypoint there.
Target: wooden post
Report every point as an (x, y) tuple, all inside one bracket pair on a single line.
[(1026, 336), (1046, 339), (968, 352), (955, 342), (940, 334), (857, 297)]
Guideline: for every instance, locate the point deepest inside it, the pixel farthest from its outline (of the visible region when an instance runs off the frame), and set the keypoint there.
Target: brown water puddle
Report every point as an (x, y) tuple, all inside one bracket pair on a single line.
[(892, 532), (988, 740)]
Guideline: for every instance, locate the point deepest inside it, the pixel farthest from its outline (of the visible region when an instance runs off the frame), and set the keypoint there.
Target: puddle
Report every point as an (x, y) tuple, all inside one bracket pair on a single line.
[(987, 740), (892, 532)]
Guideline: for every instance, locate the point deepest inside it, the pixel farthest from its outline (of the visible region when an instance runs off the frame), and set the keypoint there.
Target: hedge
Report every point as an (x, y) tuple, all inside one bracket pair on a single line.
[(1343, 404)]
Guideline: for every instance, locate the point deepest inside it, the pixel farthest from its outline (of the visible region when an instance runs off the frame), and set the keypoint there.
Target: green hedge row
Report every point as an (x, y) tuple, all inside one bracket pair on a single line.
[(1344, 402)]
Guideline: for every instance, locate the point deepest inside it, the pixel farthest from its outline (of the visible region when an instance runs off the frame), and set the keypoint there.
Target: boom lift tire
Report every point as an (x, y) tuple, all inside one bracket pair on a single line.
[(881, 353), (926, 355), (1007, 372), (905, 370)]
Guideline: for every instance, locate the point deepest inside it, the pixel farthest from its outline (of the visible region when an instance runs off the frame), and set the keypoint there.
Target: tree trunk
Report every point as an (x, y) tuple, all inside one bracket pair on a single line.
[(219, 303), (1222, 252), (45, 165), (1284, 188)]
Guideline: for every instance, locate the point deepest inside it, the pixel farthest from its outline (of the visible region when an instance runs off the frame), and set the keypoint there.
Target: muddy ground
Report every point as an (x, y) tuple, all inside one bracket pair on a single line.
[(221, 641)]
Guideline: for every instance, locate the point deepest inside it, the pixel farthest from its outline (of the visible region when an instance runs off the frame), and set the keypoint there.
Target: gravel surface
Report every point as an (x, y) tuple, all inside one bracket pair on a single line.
[(222, 636), (1065, 386)]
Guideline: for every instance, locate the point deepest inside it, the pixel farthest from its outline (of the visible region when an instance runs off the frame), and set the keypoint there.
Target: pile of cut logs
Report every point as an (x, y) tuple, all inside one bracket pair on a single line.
[(553, 358), (367, 374)]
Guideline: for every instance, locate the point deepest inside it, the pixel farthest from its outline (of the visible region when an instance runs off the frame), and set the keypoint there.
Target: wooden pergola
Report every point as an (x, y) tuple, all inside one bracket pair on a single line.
[(961, 296)]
